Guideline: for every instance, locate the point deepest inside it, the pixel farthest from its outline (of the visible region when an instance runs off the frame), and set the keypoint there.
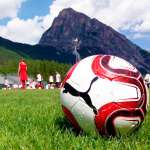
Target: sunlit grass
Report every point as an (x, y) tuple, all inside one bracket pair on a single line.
[(33, 119)]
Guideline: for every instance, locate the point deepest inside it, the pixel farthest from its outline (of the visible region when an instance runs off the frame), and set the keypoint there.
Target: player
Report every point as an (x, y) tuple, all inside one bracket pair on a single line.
[(22, 73)]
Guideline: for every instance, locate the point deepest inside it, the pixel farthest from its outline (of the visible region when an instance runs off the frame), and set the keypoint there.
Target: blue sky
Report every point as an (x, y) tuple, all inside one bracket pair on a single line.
[(29, 9), (25, 20), (33, 8)]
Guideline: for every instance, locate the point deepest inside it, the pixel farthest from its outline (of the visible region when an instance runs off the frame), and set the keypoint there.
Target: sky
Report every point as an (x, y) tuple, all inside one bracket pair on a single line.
[(25, 21)]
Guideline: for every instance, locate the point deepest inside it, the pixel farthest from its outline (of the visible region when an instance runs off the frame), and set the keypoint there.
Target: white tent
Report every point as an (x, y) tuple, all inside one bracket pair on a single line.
[(11, 78), (1, 79)]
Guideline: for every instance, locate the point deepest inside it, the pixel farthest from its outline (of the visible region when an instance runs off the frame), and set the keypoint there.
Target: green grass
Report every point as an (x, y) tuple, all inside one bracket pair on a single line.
[(33, 119)]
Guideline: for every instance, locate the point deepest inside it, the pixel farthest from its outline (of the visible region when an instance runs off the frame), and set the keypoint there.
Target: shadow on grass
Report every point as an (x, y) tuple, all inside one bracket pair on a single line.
[(65, 126)]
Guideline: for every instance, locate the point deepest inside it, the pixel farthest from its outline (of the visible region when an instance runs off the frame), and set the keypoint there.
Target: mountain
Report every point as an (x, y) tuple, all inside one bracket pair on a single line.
[(94, 37), (59, 41)]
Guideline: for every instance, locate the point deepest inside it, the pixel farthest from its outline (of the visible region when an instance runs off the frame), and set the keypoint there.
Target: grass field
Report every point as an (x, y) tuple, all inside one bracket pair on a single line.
[(34, 120)]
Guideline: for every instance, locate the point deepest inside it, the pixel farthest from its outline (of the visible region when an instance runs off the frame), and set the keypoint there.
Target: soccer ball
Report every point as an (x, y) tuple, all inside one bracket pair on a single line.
[(104, 94)]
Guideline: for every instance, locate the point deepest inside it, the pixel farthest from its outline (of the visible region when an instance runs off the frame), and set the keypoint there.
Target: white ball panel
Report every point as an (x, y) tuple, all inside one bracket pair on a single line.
[(118, 63), (82, 75), (84, 116), (125, 92), (104, 91), (68, 100), (101, 92), (125, 125)]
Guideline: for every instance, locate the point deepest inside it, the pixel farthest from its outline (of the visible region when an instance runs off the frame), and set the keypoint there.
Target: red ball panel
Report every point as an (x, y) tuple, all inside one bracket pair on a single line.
[(103, 113), (71, 118)]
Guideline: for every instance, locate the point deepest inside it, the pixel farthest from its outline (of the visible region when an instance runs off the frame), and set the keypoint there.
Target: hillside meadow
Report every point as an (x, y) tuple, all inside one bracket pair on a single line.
[(33, 119)]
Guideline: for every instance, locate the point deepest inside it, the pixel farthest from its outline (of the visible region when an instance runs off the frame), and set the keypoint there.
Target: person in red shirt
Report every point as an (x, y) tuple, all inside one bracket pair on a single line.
[(22, 73)]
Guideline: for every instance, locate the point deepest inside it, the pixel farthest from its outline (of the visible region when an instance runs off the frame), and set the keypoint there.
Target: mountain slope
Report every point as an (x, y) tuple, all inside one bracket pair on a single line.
[(95, 38), (36, 51), (6, 55)]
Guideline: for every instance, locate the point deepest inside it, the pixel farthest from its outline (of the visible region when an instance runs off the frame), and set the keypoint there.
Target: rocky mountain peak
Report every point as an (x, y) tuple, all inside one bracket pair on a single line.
[(93, 37)]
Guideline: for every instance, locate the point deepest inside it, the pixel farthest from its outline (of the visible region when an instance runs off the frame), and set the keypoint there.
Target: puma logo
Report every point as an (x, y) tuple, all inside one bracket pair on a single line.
[(84, 95)]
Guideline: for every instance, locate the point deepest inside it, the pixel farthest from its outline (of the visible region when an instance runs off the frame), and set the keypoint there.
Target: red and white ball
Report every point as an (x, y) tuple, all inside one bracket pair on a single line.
[(104, 94)]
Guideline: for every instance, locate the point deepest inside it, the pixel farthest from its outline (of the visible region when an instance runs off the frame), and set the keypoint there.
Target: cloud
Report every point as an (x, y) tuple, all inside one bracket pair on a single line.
[(9, 8), (122, 15), (20, 30), (24, 31), (144, 26)]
